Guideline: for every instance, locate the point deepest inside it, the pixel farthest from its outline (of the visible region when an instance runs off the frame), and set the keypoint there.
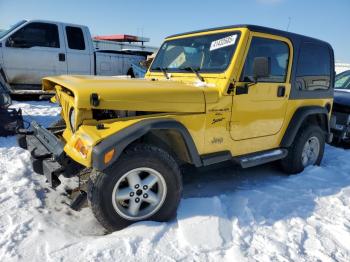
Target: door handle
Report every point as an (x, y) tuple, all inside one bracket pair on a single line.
[(241, 90), (61, 57), (281, 91)]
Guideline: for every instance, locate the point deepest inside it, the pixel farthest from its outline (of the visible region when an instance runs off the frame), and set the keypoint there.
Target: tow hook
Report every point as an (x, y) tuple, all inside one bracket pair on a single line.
[(79, 194)]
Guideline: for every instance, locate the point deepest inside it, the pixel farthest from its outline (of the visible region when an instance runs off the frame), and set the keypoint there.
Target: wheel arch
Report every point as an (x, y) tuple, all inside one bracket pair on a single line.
[(170, 140), (154, 130), (308, 114)]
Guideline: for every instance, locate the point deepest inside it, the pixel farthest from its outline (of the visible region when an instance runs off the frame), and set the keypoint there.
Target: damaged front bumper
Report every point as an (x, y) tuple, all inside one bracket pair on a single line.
[(47, 154), (11, 121), (11, 118)]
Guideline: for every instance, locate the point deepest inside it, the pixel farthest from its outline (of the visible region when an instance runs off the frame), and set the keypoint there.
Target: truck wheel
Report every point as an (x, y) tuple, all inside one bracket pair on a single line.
[(307, 150), (144, 184), (131, 73)]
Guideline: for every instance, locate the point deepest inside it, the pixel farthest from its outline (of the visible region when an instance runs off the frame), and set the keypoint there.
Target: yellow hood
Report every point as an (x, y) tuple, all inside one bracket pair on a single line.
[(131, 94)]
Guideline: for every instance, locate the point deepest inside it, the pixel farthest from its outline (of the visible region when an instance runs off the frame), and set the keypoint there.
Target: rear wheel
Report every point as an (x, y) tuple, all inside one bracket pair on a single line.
[(144, 184), (131, 73), (307, 150)]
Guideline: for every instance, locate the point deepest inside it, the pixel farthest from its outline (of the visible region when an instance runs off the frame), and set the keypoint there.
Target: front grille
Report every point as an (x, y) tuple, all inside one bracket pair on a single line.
[(65, 102)]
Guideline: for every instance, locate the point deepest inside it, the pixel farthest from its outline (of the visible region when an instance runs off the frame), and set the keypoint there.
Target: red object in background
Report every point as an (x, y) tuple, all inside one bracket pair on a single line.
[(120, 38)]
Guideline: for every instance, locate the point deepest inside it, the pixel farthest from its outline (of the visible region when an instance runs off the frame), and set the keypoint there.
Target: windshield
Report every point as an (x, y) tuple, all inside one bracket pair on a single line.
[(208, 53), (342, 81), (5, 32)]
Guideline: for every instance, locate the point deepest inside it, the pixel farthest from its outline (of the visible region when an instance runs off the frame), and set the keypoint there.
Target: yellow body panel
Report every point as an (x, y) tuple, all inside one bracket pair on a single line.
[(91, 136), (261, 113), (131, 94), (216, 120)]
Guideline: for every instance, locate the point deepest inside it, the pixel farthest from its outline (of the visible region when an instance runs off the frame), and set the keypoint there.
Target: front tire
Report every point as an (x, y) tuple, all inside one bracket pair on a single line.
[(307, 150), (144, 184)]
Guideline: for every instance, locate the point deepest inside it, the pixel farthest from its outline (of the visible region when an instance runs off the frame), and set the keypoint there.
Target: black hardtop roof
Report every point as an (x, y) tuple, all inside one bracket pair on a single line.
[(261, 29)]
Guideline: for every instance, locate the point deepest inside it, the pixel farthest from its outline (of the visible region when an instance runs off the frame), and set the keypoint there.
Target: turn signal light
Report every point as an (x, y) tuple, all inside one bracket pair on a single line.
[(109, 155), (81, 148)]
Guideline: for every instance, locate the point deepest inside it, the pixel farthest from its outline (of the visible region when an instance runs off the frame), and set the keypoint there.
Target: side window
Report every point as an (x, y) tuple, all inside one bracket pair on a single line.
[(278, 54), (314, 67), (75, 38), (342, 81), (35, 34)]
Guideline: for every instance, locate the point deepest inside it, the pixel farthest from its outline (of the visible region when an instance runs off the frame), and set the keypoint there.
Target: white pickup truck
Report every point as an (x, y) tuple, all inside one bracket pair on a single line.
[(31, 50)]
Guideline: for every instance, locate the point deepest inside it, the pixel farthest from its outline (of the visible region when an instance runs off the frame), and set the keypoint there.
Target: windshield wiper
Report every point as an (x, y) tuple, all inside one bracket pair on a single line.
[(189, 68), (163, 70)]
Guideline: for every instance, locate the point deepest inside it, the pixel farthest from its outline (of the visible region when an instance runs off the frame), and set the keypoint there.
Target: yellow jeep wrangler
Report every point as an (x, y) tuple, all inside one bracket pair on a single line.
[(244, 93)]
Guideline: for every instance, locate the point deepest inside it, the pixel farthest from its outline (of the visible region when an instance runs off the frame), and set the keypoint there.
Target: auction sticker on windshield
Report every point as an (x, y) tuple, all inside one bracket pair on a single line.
[(223, 42)]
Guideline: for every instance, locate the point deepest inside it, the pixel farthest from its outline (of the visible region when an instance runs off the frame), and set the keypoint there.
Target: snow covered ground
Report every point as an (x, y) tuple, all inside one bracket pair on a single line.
[(226, 214)]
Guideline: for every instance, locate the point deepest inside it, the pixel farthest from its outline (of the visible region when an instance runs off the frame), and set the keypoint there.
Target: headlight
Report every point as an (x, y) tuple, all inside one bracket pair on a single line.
[(72, 119)]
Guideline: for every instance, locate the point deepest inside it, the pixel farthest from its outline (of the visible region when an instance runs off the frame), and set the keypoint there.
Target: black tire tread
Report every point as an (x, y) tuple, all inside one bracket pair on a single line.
[(96, 182), (292, 163)]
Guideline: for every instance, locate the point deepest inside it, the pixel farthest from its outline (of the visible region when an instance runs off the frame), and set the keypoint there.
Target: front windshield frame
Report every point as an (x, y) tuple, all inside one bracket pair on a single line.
[(225, 34), (13, 27)]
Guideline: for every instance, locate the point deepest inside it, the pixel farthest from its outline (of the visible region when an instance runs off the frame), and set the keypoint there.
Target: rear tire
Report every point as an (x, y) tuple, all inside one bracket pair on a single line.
[(144, 184), (307, 149), (131, 73)]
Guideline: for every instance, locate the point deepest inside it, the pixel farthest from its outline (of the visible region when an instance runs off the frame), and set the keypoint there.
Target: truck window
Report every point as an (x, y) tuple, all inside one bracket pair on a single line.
[(342, 81), (75, 38), (278, 54), (35, 34), (314, 67)]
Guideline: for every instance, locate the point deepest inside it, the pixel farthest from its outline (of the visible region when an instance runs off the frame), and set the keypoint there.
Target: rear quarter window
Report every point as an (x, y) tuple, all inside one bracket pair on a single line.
[(75, 38), (314, 67)]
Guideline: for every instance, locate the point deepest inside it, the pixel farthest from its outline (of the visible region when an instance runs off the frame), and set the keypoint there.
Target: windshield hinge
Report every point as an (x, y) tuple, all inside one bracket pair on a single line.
[(231, 88)]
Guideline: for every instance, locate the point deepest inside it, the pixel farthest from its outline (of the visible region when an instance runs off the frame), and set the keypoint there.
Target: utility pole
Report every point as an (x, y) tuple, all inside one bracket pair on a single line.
[(289, 21)]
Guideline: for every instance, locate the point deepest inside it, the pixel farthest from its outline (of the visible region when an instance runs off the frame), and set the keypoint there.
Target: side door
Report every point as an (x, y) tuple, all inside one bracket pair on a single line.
[(259, 105), (34, 51), (78, 51)]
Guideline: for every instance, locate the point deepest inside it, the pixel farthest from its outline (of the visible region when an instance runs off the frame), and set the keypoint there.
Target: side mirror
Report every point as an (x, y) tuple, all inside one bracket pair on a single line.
[(261, 67), (10, 42), (13, 42)]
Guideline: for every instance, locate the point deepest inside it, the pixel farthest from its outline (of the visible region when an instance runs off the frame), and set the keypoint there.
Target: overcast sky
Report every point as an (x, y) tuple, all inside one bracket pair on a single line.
[(324, 19)]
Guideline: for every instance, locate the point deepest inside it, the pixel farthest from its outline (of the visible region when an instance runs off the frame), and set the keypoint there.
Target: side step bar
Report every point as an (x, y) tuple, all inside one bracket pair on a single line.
[(24, 93), (215, 158), (261, 157), (31, 95), (245, 161)]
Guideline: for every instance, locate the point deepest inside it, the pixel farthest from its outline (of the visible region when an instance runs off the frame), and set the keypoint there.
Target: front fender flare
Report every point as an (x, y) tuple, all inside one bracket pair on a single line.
[(120, 140)]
